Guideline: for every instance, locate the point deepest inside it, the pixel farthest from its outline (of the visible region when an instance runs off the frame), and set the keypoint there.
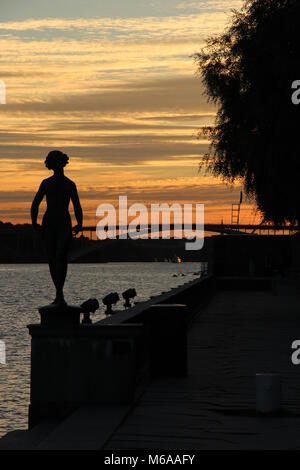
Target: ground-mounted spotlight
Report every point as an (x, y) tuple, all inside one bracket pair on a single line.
[(109, 300), (88, 307), (127, 295)]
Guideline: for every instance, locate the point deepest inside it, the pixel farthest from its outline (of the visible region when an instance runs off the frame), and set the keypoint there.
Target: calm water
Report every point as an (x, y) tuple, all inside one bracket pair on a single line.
[(25, 287)]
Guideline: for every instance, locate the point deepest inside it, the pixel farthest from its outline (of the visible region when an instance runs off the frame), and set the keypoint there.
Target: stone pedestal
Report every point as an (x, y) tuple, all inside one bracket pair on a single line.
[(74, 364), (60, 315)]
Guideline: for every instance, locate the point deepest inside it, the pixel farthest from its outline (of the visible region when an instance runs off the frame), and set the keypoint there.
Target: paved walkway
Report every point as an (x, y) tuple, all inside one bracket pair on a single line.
[(238, 335)]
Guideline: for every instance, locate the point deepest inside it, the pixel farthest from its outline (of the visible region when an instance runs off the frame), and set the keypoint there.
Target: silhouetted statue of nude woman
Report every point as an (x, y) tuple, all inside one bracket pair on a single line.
[(56, 226)]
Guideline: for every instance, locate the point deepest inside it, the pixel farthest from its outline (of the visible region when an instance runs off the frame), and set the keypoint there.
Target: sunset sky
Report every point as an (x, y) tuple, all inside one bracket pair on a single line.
[(112, 83)]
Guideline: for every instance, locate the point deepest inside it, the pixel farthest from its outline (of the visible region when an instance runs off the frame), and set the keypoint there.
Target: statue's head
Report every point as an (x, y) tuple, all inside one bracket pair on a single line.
[(56, 160)]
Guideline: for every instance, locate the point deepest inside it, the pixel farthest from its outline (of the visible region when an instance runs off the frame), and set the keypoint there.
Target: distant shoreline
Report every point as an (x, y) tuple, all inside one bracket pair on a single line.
[(20, 244), (100, 262)]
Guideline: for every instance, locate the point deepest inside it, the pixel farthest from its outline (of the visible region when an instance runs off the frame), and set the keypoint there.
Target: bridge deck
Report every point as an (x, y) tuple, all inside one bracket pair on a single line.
[(238, 335)]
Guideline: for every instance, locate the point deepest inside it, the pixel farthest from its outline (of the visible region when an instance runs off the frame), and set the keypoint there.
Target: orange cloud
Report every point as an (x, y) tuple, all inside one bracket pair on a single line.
[(120, 96)]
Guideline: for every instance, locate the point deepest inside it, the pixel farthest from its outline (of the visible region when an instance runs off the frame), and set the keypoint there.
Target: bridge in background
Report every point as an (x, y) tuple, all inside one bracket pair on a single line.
[(222, 229), (209, 228)]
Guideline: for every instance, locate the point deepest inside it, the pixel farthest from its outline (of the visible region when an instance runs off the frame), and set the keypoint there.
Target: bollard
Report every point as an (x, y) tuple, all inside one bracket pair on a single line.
[(268, 393)]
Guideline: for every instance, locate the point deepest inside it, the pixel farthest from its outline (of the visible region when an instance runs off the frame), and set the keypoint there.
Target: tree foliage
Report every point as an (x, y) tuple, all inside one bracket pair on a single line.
[(248, 72)]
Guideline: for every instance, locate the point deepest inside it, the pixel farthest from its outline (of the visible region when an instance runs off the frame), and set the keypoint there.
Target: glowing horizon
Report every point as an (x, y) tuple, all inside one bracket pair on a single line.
[(118, 93)]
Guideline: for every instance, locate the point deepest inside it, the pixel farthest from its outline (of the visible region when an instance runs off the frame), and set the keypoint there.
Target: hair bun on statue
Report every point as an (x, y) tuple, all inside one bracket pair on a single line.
[(56, 159)]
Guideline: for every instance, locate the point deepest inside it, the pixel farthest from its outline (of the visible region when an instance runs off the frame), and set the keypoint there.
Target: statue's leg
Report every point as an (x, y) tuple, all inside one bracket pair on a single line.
[(50, 244), (63, 243)]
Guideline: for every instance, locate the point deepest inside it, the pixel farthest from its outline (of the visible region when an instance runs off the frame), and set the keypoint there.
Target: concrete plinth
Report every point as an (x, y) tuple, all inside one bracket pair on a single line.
[(57, 316), (83, 365)]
